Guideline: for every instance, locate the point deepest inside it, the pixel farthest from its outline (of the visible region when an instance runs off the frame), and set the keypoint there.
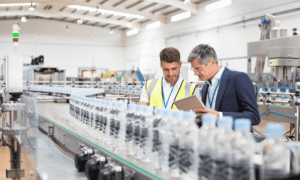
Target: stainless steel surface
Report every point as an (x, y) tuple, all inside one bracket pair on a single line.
[(261, 47), (284, 62), (297, 123), (275, 117), (283, 52), (278, 33), (13, 77)]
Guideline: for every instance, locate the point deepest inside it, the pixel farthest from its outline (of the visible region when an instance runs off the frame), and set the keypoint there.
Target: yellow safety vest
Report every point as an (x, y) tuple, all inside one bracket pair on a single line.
[(154, 91)]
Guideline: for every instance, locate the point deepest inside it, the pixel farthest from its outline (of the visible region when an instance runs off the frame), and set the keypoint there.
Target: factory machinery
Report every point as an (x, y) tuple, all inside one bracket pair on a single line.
[(277, 91)]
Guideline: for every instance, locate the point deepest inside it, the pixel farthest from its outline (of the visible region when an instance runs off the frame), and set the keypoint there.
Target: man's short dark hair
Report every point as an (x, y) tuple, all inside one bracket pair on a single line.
[(169, 55)]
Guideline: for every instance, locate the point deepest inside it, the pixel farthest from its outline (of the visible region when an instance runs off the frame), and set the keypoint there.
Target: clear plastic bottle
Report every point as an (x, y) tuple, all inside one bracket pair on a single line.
[(82, 109), (163, 128), (103, 120), (78, 115), (156, 141), (107, 121), (243, 148), (136, 131), (206, 147), (102, 110), (114, 113), (174, 135), (276, 156), (91, 117), (98, 106), (120, 127), (129, 150), (188, 147), (146, 137), (223, 149)]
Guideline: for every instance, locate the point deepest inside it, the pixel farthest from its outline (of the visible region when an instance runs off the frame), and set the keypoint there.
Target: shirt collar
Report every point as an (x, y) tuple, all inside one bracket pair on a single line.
[(217, 76), (178, 83)]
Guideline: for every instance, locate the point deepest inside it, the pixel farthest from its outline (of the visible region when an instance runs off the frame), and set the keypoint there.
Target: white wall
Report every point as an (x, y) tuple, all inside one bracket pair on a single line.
[(228, 42), (81, 46)]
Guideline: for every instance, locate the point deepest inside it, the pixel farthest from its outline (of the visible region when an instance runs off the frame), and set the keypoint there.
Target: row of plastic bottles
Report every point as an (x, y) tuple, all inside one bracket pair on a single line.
[(170, 141)]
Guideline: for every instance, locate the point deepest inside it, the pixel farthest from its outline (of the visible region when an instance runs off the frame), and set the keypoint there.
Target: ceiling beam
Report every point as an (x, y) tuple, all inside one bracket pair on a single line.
[(179, 4), (47, 14), (62, 3)]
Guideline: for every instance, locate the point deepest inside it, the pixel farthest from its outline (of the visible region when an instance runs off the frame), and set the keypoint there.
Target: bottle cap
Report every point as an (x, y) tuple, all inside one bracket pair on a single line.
[(122, 105), (139, 108), (225, 122), (148, 109), (242, 124), (131, 106), (189, 115), (167, 112), (208, 119), (275, 129), (159, 111), (108, 103), (178, 114)]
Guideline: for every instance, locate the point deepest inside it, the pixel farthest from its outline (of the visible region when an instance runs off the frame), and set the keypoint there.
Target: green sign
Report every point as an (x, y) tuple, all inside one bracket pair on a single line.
[(15, 35)]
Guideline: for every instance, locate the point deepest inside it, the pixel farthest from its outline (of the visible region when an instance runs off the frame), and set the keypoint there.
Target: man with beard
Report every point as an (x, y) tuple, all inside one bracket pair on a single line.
[(171, 87)]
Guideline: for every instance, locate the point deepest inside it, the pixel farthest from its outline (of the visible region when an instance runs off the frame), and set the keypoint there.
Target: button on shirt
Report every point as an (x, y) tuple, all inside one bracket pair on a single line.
[(211, 88), (167, 90)]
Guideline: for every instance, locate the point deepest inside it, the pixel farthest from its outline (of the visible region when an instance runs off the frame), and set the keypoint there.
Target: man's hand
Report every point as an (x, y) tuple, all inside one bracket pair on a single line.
[(203, 111)]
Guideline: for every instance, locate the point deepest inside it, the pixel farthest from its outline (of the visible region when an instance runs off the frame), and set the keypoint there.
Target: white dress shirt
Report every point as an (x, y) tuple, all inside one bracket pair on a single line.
[(167, 90), (211, 88)]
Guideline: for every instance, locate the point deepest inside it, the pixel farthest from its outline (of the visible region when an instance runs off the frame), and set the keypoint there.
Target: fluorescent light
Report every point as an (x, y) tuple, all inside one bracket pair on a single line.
[(181, 16), (153, 25), (79, 21), (31, 8), (103, 11), (129, 24), (218, 5), (23, 19), (17, 4), (111, 31), (187, 1), (132, 32)]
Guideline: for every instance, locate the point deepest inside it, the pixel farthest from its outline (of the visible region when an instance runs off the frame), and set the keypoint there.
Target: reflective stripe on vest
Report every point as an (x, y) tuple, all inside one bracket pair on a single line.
[(154, 91)]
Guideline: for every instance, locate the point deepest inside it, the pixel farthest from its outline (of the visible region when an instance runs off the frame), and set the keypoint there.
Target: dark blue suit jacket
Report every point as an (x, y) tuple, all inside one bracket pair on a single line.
[(236, 96)]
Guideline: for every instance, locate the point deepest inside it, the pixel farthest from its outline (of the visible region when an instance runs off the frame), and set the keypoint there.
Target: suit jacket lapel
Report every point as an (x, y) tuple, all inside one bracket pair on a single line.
[(204, 93), (222, 88)]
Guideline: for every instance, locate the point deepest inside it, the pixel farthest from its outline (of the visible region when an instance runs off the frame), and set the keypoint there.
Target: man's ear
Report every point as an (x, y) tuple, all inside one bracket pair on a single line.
[(180, 63), (212, 61), (161, 65)]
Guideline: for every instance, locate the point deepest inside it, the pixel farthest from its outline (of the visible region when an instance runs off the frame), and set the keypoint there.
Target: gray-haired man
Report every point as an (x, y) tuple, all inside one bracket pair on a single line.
[(226, 92)]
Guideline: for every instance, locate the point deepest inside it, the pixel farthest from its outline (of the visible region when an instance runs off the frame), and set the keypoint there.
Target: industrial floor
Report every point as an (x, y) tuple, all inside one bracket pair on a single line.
[(29, 175)]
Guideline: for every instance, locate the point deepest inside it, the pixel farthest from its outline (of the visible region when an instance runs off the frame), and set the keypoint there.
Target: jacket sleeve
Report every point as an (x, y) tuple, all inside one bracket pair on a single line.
[(246, 99)]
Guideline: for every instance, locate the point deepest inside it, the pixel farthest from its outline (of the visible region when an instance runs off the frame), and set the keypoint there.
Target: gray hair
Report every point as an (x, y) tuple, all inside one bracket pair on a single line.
[(204, 53)]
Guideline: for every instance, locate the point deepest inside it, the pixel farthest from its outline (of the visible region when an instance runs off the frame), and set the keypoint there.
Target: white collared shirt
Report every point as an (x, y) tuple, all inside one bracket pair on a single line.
[(167, 90), (211, 88)]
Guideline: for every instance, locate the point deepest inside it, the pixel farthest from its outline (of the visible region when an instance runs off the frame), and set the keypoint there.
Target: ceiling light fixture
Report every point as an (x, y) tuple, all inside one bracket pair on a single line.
[(67, 28), (129, 24), (103, 11), (187, 1), (218, 5), (111, 31), (132, 32), (31, 8), (181, 16), (17, 4), (79, 21), (23, 19), (153, 25)]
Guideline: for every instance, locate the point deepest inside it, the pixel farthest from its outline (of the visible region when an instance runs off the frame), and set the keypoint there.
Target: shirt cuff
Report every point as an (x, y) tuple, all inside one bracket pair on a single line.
[(220, 115)]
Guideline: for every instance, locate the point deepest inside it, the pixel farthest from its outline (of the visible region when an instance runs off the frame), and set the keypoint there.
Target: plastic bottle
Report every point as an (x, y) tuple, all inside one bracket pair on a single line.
[(174, 135), (129, 150), (136, 131), (82, 109), (98, 106), (188, 147), (107, 118), (163, 128), (120, 127), (243, 146), (156, 141), (92, 117), (223, 149), (111, 123), (276, 156), (206, 147), (146, 137), (103, 120)]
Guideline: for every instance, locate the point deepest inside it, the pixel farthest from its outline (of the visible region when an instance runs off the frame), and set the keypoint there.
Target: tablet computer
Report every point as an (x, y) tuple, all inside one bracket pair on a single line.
[(189, 103)]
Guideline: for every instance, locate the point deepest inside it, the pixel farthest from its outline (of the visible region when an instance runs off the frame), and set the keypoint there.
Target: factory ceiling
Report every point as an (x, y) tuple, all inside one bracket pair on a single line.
[(115, 14)]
